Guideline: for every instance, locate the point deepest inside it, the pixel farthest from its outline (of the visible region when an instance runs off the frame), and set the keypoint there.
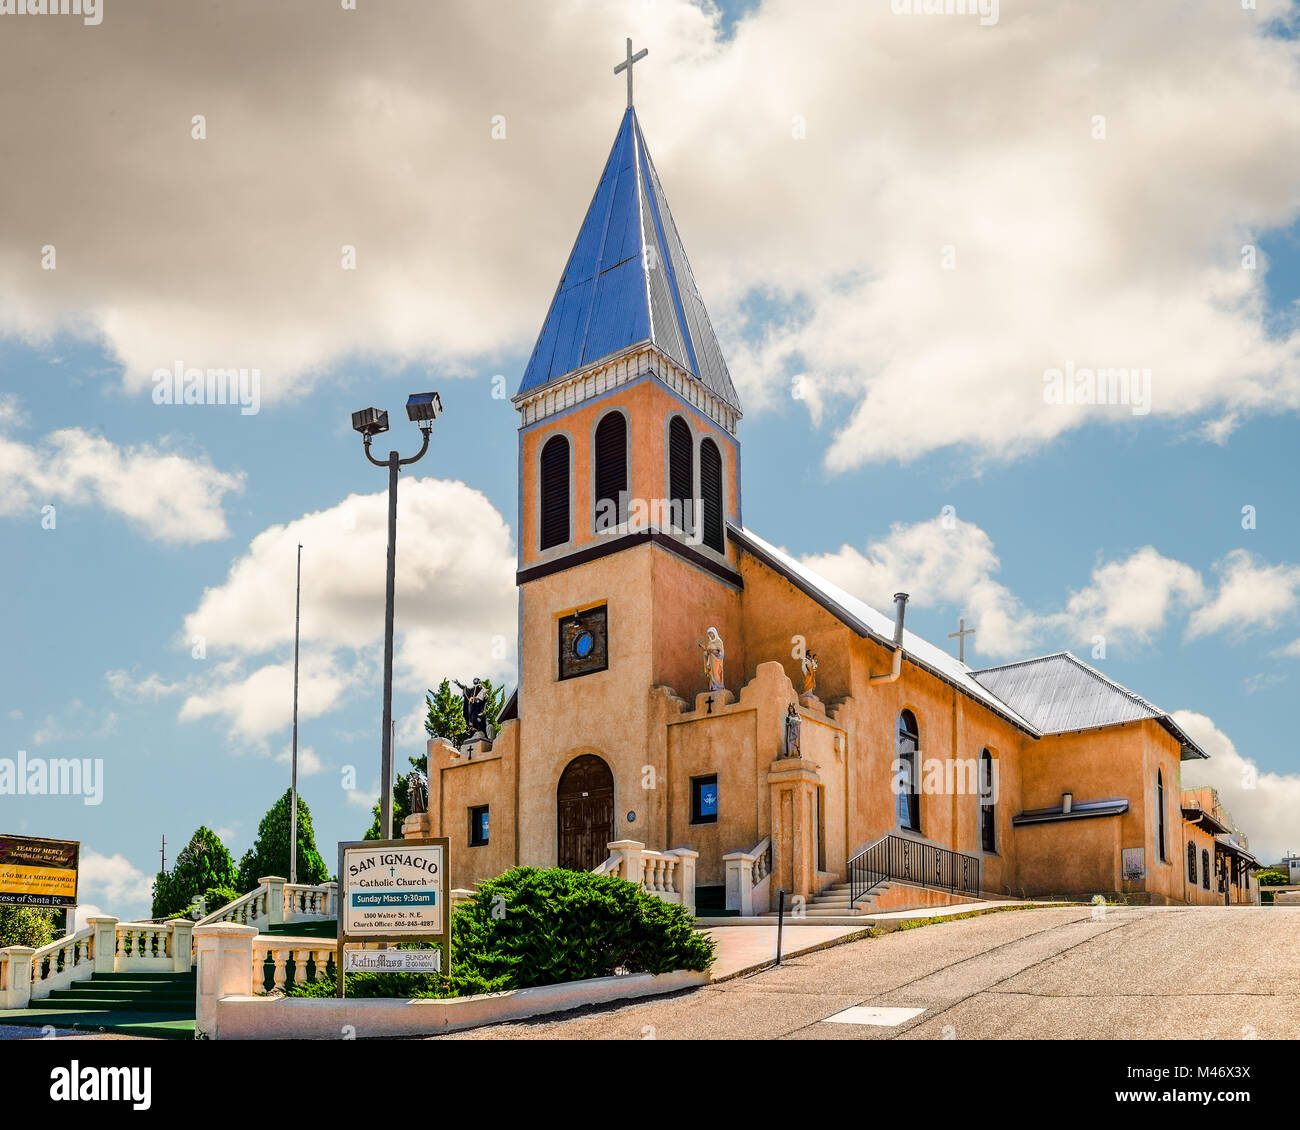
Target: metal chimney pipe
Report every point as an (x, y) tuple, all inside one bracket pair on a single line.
[(900, 610)]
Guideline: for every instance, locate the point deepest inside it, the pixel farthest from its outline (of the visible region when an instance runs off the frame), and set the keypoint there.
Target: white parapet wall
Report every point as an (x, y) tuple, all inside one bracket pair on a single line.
[(316, 1018)]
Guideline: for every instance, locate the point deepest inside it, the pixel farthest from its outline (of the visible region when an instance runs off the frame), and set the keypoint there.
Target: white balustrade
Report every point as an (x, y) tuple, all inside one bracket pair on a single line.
[(748, 873), (669, 875)]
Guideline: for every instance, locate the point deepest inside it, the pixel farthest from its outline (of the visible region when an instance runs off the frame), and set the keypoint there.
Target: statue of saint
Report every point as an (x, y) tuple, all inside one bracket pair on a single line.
[(809, 665), (714, 654), (793, 724), (417, 792), (473, 708)]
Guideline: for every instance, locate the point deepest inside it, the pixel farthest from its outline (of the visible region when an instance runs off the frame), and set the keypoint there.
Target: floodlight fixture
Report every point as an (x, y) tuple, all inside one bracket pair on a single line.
[(423, 408), (370, 422)]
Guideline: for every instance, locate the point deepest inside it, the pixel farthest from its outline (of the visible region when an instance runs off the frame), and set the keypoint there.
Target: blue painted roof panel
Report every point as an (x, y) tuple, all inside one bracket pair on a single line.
[(627, 281)]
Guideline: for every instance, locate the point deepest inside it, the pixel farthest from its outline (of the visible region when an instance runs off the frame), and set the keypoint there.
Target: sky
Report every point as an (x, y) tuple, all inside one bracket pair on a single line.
[(912, 231)]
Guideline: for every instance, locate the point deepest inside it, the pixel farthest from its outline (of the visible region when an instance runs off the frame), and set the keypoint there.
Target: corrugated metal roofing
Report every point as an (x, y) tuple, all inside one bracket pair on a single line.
[(869, 622), (1061, 694), (628, 281)]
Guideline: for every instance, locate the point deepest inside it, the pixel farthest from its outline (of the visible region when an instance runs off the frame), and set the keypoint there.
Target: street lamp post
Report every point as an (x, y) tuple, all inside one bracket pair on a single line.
[(422, 408)]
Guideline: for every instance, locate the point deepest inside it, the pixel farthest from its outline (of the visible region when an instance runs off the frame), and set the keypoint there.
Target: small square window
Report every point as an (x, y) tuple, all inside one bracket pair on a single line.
[(478, 826), (704, 799)]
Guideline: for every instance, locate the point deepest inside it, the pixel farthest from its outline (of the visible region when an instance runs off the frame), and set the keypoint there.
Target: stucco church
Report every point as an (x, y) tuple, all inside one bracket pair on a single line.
[(698, 711)]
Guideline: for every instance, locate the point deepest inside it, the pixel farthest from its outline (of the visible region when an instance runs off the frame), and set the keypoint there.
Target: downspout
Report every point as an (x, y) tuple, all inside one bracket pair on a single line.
[(900, 609)]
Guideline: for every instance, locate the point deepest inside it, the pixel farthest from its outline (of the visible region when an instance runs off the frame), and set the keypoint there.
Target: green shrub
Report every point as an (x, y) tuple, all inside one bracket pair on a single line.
[(545, 927), (214, 898), (25, 926)]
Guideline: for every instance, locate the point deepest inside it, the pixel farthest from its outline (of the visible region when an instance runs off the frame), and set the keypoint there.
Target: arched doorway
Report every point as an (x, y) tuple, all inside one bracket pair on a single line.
[(585, 812)]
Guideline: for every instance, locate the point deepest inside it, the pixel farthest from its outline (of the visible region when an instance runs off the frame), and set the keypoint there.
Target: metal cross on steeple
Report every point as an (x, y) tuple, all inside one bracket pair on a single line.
[(626, 65), (960, 636)]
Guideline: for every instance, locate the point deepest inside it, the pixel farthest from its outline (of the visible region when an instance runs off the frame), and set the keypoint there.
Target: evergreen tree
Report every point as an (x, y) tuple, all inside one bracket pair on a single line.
[(203, 863), (446, 720), (269, 854)]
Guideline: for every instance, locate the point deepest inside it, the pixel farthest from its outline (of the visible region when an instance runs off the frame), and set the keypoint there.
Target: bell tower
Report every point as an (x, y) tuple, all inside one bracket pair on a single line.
[(629, 473)]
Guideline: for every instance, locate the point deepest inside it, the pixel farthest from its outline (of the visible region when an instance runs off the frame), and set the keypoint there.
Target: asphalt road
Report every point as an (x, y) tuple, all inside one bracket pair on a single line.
[(1136, 973)]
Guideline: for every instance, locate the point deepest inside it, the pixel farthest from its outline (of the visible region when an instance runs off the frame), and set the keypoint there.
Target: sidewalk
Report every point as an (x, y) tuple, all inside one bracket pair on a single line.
[(747, 944)]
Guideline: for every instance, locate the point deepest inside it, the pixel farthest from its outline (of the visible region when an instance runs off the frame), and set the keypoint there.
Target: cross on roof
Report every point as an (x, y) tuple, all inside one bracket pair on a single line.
[(626, 65), (960, 636)]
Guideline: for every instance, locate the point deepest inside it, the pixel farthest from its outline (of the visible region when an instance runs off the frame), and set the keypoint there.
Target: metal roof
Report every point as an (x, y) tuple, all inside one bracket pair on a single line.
[(1061, 694), (1112, 806), (628, 281), (870, 622)]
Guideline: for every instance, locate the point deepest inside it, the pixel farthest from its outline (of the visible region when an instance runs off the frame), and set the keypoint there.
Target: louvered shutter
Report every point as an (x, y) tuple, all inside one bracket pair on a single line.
[(681, 471), (711, 494), (611, 465), (555, 492)]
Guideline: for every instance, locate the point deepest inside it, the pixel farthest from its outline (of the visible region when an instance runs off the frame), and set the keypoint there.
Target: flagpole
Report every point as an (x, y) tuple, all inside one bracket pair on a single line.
[(293, 788)]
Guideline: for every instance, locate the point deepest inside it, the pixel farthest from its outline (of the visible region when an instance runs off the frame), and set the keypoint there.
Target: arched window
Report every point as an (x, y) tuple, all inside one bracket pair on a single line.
[(905, 772), (988, 828), (554, 508), (681, 474), (711, 494), (611, 473), (1205, 869), (1160, 816), (1191, 863)]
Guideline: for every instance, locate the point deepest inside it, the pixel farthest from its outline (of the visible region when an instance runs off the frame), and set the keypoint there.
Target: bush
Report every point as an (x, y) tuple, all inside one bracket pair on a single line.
[(545, 927), (25, 926), (214, 898)]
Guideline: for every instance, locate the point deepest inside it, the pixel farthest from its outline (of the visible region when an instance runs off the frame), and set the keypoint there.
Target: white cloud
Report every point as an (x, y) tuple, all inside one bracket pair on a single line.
[(945, 133), (938, 562), (116, 883), (149, 689), (950, 562), (1251, 595), (1133, 599), (1264, 805), (309, 762), (455, 607), (169, 496)]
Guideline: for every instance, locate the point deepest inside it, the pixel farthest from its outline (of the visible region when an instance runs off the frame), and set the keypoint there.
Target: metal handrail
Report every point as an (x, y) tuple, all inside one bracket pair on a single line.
[(911, 861)]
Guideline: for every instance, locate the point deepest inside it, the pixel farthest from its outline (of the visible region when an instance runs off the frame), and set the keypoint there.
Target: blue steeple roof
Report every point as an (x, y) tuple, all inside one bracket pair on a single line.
[(628, 281)]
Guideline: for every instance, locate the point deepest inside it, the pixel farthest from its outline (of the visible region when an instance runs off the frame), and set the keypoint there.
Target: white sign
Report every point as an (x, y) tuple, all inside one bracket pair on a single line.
[(392, 961), (394, 891)]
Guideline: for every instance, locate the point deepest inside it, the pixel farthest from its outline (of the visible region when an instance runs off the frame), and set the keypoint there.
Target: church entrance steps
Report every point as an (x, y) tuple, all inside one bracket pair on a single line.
[(160, 1005)]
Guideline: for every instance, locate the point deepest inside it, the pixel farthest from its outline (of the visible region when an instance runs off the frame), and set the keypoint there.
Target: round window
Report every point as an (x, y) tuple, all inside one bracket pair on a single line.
[(582, 644)]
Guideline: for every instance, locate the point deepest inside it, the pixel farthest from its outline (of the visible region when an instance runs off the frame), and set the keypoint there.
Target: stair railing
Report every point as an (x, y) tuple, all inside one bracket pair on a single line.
[(915, 862)]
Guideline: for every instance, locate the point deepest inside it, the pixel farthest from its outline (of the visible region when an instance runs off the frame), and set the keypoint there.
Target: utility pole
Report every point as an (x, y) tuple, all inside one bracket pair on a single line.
[(293, 772), (162, 852)]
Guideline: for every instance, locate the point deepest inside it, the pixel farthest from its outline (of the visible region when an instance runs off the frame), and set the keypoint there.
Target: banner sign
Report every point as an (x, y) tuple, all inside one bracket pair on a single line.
[(392, 961), (393, 891), (38, 872)]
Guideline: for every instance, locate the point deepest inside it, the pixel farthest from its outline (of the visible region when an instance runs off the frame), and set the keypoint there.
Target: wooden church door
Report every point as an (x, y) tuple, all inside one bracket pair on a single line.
[(585, 813)]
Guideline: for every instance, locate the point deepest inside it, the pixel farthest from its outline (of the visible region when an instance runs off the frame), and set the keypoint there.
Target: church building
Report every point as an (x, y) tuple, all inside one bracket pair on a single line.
[(699, 711)]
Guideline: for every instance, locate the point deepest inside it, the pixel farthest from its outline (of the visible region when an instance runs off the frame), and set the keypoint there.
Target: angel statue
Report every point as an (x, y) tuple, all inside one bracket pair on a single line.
[(714, 654), (809, 666)]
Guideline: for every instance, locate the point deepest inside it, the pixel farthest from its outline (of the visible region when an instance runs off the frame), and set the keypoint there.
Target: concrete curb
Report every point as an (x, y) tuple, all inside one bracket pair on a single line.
[(326, 1018)]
